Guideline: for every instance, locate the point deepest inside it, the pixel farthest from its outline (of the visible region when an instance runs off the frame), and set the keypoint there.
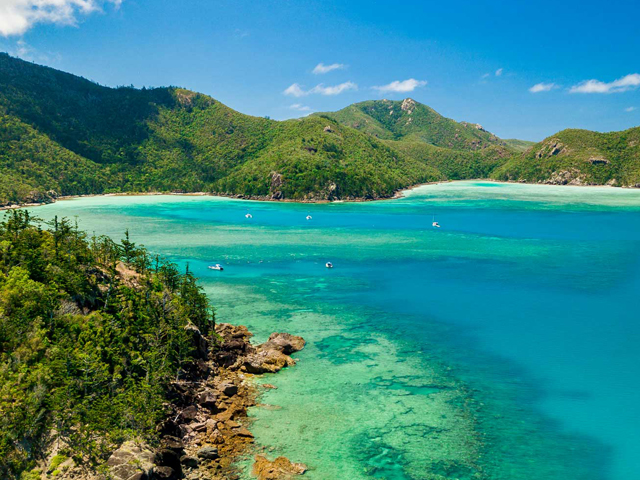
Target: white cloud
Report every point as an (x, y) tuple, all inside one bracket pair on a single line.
[(18, 16), (629, 109), (335, 89), (299, 107), (401, 86), (499, 72), (628, 82), (321, 68), (542, 87), (296, 90), (485, 75)]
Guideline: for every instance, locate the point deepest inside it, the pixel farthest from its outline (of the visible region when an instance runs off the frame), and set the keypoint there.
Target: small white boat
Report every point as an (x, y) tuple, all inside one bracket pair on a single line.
[(434, 223), (248, 215), (309, 217), (329, 265), (217, 266)]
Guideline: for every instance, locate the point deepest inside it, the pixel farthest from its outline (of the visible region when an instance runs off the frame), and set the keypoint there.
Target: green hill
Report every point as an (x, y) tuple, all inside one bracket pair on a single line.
[(65, 135), (519, 145), (92, 335), (578, 157), (456, 150), (412, 121)]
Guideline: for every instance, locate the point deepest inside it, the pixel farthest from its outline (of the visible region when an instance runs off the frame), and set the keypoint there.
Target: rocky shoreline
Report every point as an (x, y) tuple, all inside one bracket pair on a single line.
[(206, 430)]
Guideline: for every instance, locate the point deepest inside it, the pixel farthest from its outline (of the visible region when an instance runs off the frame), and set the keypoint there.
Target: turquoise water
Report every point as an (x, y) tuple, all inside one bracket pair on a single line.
[(503, 345)]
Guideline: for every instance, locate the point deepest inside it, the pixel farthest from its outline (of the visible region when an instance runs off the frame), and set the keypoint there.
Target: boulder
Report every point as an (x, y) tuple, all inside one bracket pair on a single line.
[(208, 400), (131, 461), (173, 443), (208, 453), (267, 361), (166, 457), (188, 461), (189, 414), (284, 342), (280, 469), (243, 432), (164, 473), (200, 344), (229, 389)]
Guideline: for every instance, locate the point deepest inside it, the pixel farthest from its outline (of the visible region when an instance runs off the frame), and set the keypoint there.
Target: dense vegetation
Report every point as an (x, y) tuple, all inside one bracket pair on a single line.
[(579, 157), (63, 135), (92, 332), (412, 121)]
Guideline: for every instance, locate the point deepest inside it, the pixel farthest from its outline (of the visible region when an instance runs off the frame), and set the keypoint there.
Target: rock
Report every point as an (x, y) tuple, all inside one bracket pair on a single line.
[(164, 473), (200, 344), (267, 361), (243, 432), (198, 427), (188, 461), (173, 443), (284, 342), (280, 469), (208, 453), (208, 400), (169, 427), (408, 104), (269, 386), (229, 389), (189, 414), (328, 129), (131, 461), (167, 458)]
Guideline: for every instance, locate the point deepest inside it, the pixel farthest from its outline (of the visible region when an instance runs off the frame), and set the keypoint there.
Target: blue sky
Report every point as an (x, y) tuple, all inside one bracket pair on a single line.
[(475, 61)]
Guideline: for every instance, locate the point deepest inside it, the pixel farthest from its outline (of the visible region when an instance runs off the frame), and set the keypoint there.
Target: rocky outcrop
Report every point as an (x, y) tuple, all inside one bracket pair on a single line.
[(206, 428), (551, 149), (599, 161), (132, 461), (276, 186), (567, 177), (408, 105), (279, 469)]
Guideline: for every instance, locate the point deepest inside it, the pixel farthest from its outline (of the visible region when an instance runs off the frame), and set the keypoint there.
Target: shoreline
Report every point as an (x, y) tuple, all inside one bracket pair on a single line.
[(205, 432), (396, 195)]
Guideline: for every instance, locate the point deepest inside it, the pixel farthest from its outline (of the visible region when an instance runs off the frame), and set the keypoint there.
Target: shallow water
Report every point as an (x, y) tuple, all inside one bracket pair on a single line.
[(503, 345)]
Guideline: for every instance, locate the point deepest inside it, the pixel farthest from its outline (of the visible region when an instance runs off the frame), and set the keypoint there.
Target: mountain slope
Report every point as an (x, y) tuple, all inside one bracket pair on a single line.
[(412, 121), (578, 157), (111, 140), (63, 135)]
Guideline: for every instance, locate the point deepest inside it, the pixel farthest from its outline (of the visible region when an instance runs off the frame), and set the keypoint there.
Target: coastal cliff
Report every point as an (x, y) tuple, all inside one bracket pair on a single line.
[(112, 365)]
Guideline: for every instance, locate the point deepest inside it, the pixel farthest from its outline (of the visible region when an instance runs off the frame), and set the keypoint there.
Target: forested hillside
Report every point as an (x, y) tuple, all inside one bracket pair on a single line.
[(64, 135), (92, 333), (579, 157)]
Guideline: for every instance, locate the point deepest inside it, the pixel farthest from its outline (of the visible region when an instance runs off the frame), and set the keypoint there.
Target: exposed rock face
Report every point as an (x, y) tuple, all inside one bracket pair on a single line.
[(408, 104), (276, 186), (280, 469), (208, 453), (328, 129), (284, 342), (550, 149), (567, 177), (273, 355), (206, 428), (131, 461), (599, 161)]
